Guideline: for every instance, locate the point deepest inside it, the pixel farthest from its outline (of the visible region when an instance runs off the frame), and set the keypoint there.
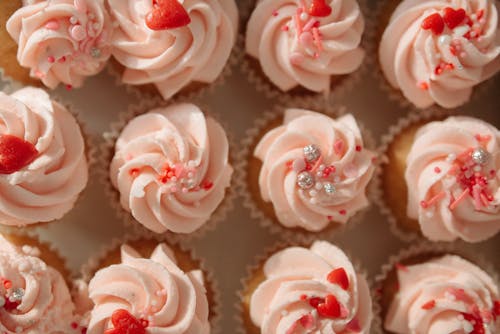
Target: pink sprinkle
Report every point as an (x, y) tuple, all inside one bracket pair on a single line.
[(343, 212), (62, 59), (338, 147), (298, 165), (344, 312), (436, 198), (329, 217), (78, 33), (298, 23), (51, 59), (317, 39), (173, 189), (284, 28), (52, 25), (296, 58), (306, 38), (437, 170), (39, 74), (460, 198), (307, 321), (275, 13), (476, 194), (69, 87), (309, 25)]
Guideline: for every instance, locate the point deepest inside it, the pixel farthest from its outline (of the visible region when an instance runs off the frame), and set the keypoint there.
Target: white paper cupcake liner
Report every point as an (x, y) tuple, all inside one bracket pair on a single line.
[(414, 116), (259, 261), (263, 85), (90, 152), (106, 155), (394, 94), (88, 269), (425, 247), (253, 134)]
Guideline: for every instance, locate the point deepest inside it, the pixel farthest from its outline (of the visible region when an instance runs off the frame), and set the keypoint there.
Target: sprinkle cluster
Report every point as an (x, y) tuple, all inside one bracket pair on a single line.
[(305, 27), (453, 26), (178, 177), (472, 172), (325, 307), (125, 323)]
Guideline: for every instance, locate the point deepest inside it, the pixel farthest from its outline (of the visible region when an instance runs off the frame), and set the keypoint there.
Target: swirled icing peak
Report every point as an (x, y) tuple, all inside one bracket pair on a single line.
[(305, 42), (34, 297), (444, 295), (312, 290), (43, 166), (314, 169), (62, 41), (180, 49), (436, 51), (150, 295), (453, 179), (171, 168)]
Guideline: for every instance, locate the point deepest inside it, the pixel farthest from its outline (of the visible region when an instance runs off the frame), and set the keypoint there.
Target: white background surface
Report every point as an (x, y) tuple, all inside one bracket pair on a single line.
[(235, 242)]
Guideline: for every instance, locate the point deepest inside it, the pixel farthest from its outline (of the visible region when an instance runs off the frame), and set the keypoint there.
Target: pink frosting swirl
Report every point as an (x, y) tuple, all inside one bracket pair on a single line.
[(62, 41), (48, 187), (155, 290), (441, 67), (444, 295), (453, 180), (34, 298), (171, 168), (310, 189), (296, 48), (171, 59), (300, 280)]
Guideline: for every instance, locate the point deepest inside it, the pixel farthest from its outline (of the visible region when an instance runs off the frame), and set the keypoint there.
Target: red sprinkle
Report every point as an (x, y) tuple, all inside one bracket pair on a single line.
[(330, 308), (433, 22), (167, 14), (358, 148), (437, 170), (69, 87), (342, 212), (134, 172), (207, 185), (15, 153), (74, 325), (126, 323), (424, 86), (453, 17), (429, 305), (339, 276), (7, 284)]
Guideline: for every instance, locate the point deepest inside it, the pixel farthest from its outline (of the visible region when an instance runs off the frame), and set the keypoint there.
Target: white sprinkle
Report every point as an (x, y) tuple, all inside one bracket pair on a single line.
[(477, 168), (473, 17), (444, 39), (468, 327), (154, 302), (304, 16), (313, 193), (321, 167), (451, 157), (313, 200), (429, 213), (460, 317), (318, 185), (73, 20), (174, 178)]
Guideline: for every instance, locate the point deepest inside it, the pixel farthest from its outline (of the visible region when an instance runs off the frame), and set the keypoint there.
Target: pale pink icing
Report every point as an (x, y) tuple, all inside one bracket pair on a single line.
[(45, 306), (171, 59), (48, 187), (62, 41), (195, 149), (441, 296), (341, 146), (154, 289), (410, 55), (292, 56), (434, 168), (295, 275)]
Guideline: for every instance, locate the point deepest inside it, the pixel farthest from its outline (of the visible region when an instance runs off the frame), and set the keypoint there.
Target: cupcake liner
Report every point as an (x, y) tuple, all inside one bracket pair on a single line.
[(242, 318), (90, 152), (425, 247), (251, 68), (245, 152), (88, 269), (107, 152), (414, 116), (395, 95)]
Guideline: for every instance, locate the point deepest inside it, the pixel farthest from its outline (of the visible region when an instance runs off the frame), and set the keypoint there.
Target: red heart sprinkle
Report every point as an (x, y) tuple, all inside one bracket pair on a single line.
[(15, 154), (339, 276), (433, 22), (319, 8), (126, 323), (167, 14), (330, 308), (429, 305), (453, 17)]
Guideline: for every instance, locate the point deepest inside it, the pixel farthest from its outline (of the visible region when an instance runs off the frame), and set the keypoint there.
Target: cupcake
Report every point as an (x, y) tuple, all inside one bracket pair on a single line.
[(442, 179), (34, 296), (58, 41), (173, 46), (308, 172), (171, 169), (304, 47), (152, 288), (43, 165), (306, 290), (433, 292), (436, 52)]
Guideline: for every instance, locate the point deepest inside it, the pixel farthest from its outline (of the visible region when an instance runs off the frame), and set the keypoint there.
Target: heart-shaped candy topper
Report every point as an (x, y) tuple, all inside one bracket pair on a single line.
[(15, 153), (167, 14), (319, 8), (126, 323), (453, 17)]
